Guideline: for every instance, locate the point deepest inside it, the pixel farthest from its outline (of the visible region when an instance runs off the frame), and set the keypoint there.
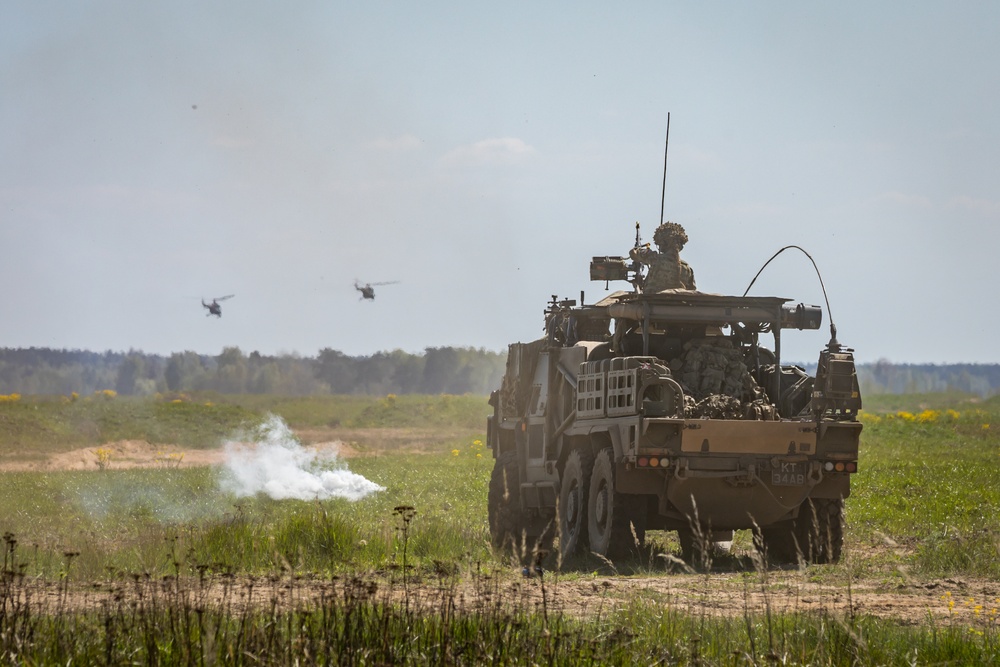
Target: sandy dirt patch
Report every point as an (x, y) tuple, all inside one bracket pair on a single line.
[(731, 594), (945, 601), (345, 443), (128, 454)]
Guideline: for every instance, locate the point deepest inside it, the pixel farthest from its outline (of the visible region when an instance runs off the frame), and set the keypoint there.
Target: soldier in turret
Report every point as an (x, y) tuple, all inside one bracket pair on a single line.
[(666, 268)]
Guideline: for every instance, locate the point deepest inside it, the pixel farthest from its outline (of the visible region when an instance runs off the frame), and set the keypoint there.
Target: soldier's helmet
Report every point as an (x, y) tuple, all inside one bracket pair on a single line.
[(670, 234)]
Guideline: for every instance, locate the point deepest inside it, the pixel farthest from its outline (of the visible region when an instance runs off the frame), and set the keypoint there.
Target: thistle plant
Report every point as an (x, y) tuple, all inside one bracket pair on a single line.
[(405, 513)]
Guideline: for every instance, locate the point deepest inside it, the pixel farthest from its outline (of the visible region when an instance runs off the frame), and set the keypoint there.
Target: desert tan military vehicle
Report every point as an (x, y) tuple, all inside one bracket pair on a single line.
[(672, 411)]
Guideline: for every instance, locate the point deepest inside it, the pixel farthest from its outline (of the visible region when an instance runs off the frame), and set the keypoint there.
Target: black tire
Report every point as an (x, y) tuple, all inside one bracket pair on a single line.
[(776, 543), (504, 503), (696, 548), (825, 537), (815, 536), (610, 514), (573, 491), (700, 549)]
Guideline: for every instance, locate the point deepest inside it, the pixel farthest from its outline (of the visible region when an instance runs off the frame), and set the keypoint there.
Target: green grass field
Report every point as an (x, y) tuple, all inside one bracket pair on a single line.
[(928, 485), (38, 425), (924, 507)]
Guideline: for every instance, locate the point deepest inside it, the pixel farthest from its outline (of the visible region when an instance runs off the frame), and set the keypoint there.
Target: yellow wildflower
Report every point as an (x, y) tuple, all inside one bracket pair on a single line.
[(103, 455), (928, 416)]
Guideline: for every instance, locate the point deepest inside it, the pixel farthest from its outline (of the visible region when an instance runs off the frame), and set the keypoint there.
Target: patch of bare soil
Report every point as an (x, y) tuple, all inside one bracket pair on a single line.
[(127, 454), (345, 442), (947, 601), (735, 594)]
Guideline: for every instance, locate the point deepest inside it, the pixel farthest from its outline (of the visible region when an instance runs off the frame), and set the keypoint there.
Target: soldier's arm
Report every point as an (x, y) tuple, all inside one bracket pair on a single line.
[(644, 254)]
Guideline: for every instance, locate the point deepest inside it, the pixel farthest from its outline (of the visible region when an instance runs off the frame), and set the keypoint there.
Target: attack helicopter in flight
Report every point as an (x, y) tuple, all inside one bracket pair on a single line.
[(215, 308), (368, 289)]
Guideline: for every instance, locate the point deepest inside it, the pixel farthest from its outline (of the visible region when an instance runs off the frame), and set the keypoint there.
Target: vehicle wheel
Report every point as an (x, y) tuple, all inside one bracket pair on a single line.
[(777, 543), (823, 532), (611, 515), (696, 549), (573, 501), (504, 503), (816, 535), (699, 549)]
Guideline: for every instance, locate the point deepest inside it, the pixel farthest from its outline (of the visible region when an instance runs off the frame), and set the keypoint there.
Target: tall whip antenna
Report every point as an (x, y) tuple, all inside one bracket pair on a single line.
[(666, 145)]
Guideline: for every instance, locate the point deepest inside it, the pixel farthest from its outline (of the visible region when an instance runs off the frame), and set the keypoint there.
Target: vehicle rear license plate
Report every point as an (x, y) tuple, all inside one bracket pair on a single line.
[(788, 474)]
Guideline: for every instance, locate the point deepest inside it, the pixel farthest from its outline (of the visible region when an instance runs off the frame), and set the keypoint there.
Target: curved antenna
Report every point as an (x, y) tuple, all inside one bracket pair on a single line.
[(833, 327)]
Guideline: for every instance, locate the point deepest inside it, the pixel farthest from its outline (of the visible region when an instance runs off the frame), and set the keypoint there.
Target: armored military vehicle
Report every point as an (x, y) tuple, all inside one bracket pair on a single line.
[(672, 411)]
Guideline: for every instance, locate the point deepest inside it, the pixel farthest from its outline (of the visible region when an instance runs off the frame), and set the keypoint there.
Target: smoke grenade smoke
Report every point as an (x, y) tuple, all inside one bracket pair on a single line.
[(278, 465)]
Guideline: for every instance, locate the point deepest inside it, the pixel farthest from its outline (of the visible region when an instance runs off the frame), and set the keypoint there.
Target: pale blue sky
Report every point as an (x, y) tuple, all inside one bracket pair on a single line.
[(155, 153)]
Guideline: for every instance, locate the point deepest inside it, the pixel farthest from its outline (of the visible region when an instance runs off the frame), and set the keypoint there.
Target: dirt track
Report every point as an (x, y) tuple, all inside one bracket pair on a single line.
[(733, 594), (949, 601)]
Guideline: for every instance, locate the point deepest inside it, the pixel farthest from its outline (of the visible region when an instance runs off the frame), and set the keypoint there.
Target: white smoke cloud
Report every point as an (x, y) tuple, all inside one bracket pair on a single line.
[(278, 465)]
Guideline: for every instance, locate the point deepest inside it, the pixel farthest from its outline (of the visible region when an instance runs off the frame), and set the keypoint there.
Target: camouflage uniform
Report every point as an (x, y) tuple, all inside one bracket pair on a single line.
[(717, 383), (662, 271), (712, 366), (666, 268)]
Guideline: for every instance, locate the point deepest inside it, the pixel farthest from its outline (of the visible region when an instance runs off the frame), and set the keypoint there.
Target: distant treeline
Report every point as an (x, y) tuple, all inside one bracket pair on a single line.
[(439, 370), (885, 377)]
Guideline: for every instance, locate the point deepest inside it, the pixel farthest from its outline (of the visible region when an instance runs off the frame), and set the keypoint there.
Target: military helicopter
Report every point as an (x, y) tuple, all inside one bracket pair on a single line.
[(214, 308), (368, 289)]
